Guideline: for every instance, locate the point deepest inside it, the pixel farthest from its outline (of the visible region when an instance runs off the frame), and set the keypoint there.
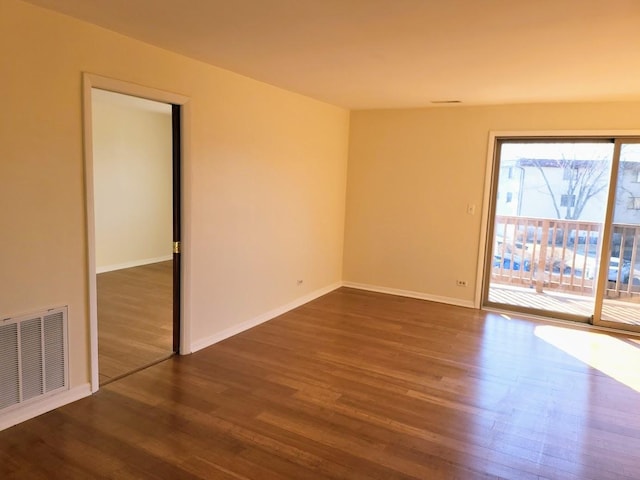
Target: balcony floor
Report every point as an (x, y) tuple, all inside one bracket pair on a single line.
[(623, 312)]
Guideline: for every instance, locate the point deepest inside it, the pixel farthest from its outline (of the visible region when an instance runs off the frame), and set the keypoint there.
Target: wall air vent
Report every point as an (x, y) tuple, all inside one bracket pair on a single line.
[(33, 357)]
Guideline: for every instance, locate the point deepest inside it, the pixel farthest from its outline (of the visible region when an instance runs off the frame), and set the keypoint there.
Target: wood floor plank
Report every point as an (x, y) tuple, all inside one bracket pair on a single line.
[(135, 323), (353, 385)]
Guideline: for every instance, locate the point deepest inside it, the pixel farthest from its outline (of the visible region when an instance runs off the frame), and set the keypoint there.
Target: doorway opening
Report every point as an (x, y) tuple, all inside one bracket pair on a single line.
[(133, 174), (133, 169), (564, 234)]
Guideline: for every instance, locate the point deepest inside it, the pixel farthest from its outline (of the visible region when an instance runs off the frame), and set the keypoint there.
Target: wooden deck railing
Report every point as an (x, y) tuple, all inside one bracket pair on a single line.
[(562, 255)]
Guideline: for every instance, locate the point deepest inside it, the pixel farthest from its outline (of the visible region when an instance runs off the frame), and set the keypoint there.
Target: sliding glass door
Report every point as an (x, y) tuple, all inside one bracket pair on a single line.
[(620, 289), (549, 208)]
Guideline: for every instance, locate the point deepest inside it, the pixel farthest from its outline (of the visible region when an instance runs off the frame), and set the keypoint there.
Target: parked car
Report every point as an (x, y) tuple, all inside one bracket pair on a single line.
[(625, 271), (511, 263), (557, 267), (507, 258)]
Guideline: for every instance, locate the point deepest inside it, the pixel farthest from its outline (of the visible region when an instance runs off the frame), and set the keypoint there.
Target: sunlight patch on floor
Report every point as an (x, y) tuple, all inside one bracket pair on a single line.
[(614, 357)]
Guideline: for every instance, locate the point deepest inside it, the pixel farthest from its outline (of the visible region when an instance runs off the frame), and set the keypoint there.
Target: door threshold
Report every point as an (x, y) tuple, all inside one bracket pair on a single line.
[(569, 323), (139, 369)]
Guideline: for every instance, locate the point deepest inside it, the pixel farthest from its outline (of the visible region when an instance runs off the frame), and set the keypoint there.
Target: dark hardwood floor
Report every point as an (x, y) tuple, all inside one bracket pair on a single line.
[(356, 385), (135, 322)]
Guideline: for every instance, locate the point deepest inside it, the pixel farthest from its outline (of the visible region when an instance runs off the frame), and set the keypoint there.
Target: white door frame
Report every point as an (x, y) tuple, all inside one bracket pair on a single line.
[(96, 81)]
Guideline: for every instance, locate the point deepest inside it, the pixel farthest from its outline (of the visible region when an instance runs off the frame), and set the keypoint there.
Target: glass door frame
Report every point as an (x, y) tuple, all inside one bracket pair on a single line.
[(600, 284), (487, 258), (607, 235)]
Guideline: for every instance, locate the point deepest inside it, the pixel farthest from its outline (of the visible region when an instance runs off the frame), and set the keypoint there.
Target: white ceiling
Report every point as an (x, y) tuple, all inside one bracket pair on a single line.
[(398, 53)]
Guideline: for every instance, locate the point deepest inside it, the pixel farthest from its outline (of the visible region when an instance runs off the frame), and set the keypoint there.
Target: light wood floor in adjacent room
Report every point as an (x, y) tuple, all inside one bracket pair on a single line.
[(358, 385), (135, 318)]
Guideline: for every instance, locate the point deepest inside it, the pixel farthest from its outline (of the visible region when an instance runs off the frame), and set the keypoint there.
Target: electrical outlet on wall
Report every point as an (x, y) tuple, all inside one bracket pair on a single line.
[(461, 283)]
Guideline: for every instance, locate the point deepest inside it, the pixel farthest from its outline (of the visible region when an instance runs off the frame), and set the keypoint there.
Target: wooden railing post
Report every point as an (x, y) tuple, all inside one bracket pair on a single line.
[(542, 256)]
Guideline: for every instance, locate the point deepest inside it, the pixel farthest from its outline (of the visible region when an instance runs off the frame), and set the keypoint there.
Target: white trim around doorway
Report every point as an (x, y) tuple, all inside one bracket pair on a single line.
[(118, 86)]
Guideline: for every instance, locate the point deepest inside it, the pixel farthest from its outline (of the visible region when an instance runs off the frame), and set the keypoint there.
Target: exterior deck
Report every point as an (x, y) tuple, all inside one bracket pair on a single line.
[(552, 265), (621, 311)]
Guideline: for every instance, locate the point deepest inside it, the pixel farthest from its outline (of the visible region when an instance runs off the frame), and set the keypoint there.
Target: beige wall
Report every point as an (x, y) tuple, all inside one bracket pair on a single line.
[(265, 178), (132, 171), (412, 174)]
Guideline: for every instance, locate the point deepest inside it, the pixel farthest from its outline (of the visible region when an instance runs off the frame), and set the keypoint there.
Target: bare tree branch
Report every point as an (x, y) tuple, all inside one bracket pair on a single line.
[(585, 179)]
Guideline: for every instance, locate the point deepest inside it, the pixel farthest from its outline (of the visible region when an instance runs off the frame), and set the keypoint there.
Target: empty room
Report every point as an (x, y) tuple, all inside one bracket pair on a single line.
[(395, 239)]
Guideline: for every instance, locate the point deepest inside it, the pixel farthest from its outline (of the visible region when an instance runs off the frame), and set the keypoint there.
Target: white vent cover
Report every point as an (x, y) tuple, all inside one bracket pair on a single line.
[(33, 357)]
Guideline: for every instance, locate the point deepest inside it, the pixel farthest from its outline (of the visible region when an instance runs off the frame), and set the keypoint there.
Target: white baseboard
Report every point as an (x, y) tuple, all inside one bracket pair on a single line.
[(31, 410), (411, 294), (132, 263), (246, 325)]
